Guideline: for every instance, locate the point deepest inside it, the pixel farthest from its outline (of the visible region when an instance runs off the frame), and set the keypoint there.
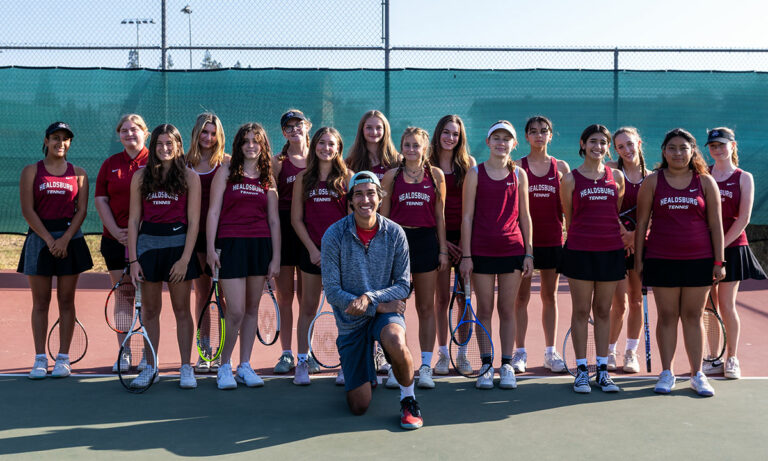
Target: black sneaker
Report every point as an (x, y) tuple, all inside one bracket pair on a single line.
[(581, 383), (603, 379), (410, 414)]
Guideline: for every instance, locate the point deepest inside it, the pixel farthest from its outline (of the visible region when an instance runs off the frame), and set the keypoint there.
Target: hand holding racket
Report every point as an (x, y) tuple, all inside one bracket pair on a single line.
[(138, 352), (471, 347)]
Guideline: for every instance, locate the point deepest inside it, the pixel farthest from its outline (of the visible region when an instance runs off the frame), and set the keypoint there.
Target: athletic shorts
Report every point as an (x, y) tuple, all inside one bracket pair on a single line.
[(423, 248), (597, 266), (290, 244), (677, 272), (305, 264), (244, 257), (36, 259), (547, 257), (159, 246), (114, 253), (497, 264), (201, 246), (356, 350)]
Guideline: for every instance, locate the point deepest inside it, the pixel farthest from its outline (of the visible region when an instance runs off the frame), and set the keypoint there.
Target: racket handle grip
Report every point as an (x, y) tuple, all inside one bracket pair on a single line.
[(216, 269), (137, 296), (467, 288)]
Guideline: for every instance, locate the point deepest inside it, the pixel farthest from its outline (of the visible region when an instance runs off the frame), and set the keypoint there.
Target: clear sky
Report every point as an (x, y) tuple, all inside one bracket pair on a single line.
[(512, 23)]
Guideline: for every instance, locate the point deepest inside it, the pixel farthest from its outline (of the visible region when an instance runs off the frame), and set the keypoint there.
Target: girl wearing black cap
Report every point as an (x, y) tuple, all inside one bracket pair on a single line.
[(737, 194), (286, 166), (54, 199)]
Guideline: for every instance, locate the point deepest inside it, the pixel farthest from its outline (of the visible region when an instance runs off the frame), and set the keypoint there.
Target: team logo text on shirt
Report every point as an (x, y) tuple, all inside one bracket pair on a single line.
[(598, 193), (56, 187), (322, 195), (413, 198), (678, 203), (542, 190), (162, 198), (247, 189)]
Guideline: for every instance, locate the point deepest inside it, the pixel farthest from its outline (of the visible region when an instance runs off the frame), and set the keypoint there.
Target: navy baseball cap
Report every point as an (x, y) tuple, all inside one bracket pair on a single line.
[(291, 114), (59, 126), (719, 136)]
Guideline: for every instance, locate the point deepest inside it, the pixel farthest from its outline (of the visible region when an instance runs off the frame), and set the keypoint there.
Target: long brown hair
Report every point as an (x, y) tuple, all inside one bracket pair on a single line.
[(338, 175), (193, 154), (175, 181), (630, 131), (236, 165), (460, 158), (358, 160), (697, 163), (420, 133), (307, 129)]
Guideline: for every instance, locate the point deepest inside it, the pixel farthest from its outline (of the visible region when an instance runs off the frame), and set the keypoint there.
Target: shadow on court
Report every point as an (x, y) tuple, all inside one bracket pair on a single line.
[(96, 417)]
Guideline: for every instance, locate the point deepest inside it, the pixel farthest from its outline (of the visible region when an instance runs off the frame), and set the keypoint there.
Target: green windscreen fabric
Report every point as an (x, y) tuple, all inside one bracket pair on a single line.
[(92, 101)]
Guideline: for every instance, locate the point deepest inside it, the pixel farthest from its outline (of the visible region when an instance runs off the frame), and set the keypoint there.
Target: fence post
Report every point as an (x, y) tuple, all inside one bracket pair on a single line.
[(163, 45), (385, 12), (615, 88)]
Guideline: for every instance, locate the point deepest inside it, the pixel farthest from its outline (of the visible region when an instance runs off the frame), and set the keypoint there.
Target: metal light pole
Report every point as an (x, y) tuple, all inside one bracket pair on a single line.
[(188, 11), (138, 22)]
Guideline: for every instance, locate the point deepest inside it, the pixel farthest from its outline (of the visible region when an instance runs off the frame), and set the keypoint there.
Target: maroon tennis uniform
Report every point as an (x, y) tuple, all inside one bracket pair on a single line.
[(545, 206), (730, 198), (322, 208), (413, 205), (285, 181), (452, 202), (206, 179), (244, 210), (114, 182), (55, 196), (161, 207), (379, 170), (630, 197), (595, 220), (495, 227), (679, 228)]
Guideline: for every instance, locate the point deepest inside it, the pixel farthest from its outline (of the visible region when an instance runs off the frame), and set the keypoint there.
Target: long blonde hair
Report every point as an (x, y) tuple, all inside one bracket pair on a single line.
[(358, 160), (193, 154)]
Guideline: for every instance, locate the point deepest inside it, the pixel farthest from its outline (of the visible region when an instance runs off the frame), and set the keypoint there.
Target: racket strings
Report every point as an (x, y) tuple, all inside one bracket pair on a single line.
[(209, 340), (122, 307), (569, 353), (471, 349), (137, 362), (714, 339), (77, 346), (267, 324), (323, 340)]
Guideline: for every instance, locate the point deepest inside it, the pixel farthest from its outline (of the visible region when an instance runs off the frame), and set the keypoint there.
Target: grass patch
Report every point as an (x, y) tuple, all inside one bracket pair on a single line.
[(11, 244)]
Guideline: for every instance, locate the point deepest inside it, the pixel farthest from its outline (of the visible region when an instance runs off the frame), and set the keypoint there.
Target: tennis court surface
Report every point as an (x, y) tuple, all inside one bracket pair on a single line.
[(91, 415)]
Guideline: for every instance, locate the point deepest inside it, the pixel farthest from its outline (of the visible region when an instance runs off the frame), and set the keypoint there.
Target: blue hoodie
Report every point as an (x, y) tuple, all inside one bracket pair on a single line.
[(349, 270)]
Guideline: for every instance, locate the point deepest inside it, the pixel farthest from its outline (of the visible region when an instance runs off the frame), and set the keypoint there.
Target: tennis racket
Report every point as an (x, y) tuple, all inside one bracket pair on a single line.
[(627, 220), (268, 326), (456, 309), (118, 308), (569, 356), (137, 350), (471, 347), (647, 329), (211, 329), (322, 338), (77, 346), (714, 333)]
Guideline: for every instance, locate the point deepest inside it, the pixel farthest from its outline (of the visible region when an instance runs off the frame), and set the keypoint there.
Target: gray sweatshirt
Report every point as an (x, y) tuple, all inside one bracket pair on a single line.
[(349, 270)]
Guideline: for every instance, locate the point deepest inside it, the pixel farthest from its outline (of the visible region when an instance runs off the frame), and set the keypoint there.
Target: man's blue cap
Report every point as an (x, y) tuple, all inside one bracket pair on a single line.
[(362, 177)]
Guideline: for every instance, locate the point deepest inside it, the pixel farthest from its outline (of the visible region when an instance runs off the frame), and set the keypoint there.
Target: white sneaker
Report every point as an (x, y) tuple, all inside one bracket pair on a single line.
[(712, 368), (187, 377), (312, 365), (554, 362), (340, 378), (700, 384), (224, 378), (216, 363), (124, 362), (666, 383), (146, 374), (62, 368), (485, 381), (463, 366), (39, 369), (392, 381), (247, 376), (380, 360), (612, 361), (631, 364), (425, 378), (508, 380), (301, 374), (202, 366), (519, 361), (732, 368), (443, 364)]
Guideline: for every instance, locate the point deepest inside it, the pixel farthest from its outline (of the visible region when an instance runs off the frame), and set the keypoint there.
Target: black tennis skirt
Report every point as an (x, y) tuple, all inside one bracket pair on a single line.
[(290, 244), (598, 266), (678, 272), (159, 246), (36, 259), (547, 257), (741, 264), (497, 264), (244, 257), (113, 253), (423, 249)]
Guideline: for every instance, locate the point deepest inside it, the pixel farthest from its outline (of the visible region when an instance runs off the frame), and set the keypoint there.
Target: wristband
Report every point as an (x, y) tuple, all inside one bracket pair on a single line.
[(134, 261), (466, 257), (528, 256), (444, 253), (719, 263)]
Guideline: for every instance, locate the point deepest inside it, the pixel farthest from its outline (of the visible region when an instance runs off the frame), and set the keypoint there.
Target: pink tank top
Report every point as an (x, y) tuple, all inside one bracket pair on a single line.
[(545, 206), (206, 179), (413, 205), (679, 228), (55, 196), (495, 226), (285, 181), (452, 203), (322, 208), (730, 198), (244, 210), (160, 207), (595, 219)]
